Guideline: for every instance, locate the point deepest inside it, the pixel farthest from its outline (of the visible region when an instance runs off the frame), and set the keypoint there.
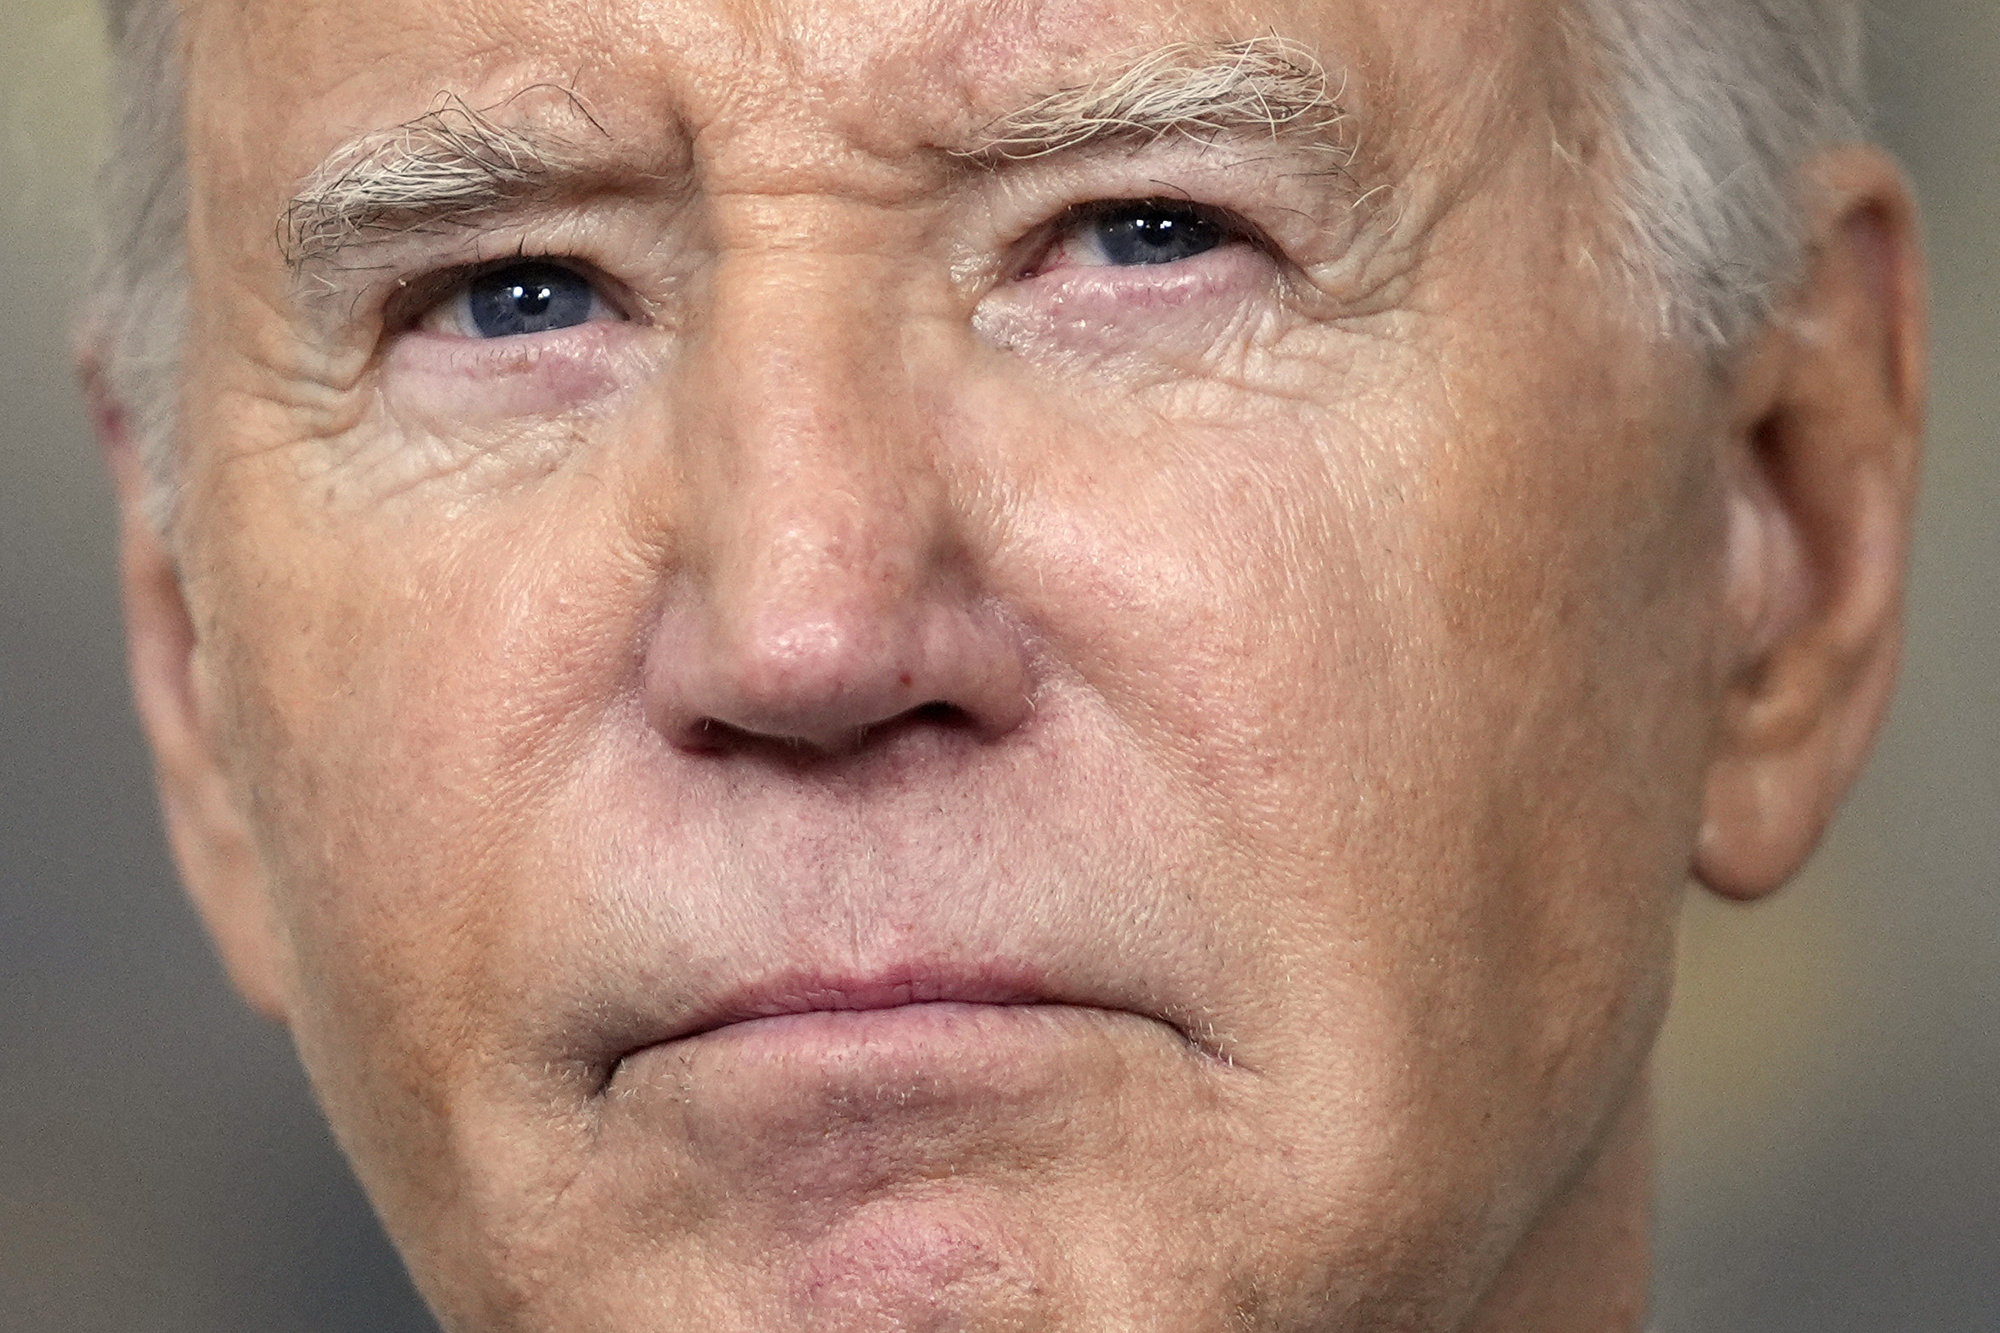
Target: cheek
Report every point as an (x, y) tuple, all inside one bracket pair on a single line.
[(1433, 687), (1563, 577), (404, 711)]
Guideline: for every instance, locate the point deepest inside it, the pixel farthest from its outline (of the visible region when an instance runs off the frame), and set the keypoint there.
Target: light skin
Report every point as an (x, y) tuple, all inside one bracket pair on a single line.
[(897, 774)]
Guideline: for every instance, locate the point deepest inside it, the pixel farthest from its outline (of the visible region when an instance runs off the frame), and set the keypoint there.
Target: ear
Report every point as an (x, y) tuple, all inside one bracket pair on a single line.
[(211, 842), (1824, 446)]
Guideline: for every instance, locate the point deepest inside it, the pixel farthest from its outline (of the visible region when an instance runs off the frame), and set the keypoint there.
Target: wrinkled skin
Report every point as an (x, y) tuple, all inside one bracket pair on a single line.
[(1260, 710)]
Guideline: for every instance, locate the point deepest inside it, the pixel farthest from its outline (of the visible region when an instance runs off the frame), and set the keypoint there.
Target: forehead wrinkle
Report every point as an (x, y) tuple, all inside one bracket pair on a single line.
[(453, 164)]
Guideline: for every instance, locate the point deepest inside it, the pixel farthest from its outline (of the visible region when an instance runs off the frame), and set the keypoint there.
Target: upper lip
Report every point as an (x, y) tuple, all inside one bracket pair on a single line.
[(808, 992)]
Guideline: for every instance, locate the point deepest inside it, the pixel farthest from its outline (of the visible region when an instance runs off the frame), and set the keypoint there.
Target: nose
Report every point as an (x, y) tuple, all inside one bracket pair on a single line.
[(833, 591)]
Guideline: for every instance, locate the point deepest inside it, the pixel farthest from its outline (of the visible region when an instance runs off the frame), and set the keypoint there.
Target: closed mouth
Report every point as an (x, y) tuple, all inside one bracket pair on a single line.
[(859, 998), (801, 994)]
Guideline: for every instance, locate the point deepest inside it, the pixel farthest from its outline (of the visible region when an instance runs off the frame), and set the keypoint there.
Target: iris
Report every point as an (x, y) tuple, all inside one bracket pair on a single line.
[(1154, 233), (528, 298)]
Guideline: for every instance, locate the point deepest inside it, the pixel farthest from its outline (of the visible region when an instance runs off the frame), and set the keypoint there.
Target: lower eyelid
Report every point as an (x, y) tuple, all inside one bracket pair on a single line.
[(464, 381), (1115, 311)]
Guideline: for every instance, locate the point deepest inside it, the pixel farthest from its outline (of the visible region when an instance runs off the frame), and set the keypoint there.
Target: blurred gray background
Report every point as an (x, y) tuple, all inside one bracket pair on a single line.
[(1829, 1087)]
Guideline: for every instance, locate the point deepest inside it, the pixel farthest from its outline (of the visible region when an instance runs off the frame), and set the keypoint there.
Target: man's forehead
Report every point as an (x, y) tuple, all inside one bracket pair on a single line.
[(338, 68), (886, 49)]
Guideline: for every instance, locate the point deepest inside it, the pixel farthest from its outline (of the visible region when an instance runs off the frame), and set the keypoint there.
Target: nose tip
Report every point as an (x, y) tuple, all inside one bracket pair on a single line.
[(837, 679)]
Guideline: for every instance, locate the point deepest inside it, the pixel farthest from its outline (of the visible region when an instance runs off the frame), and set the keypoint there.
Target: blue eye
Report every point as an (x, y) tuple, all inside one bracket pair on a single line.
[(1152, 232), (528, 298)]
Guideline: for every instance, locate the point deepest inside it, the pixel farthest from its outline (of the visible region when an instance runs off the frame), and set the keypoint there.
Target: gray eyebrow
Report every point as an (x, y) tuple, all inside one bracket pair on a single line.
[(1269, 86), (448, 166), (455, 163)]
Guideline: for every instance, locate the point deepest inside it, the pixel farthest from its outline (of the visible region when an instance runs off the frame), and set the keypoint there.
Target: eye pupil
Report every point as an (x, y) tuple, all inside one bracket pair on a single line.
[(532, 301), (528, 298)]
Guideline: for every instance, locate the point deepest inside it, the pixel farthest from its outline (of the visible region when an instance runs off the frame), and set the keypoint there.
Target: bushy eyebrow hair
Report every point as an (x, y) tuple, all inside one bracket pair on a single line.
[(1201, 91), (451, 164), (456, 163)]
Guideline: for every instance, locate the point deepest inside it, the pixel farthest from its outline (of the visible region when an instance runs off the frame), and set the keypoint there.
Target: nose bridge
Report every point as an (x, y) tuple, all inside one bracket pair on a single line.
[(831, 588), (825, 487)]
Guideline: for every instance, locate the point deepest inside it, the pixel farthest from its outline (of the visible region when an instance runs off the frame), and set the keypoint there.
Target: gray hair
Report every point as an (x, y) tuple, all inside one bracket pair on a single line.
[(1717, 103), (1714, 105), (136, 319)]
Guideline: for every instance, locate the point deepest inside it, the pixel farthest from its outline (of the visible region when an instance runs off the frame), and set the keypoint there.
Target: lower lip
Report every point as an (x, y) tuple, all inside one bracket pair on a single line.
[(831, 1104)]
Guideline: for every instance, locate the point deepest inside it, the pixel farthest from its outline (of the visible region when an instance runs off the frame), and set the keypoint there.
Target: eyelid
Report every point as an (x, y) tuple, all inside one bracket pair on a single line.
[(1305, 218)]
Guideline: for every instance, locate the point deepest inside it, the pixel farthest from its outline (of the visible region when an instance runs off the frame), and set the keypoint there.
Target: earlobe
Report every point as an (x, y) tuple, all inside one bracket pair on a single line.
[(210, 840), (1821, 473)]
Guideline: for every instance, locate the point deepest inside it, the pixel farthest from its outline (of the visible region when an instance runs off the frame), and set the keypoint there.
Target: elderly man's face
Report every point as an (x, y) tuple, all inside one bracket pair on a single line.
[(960, 665)]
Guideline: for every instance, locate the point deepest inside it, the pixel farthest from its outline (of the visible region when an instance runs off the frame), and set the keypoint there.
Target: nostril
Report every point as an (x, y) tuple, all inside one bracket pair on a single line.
[(712, 736), (709, 736), (935, 716)]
